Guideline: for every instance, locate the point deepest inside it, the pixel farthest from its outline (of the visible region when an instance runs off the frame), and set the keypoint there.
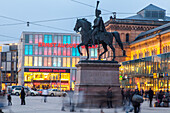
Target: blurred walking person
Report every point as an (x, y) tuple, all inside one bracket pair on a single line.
[(22, 96), (150, 96), (123, 96), (45, 94), (109, 97), (9, 100), (136, 104)]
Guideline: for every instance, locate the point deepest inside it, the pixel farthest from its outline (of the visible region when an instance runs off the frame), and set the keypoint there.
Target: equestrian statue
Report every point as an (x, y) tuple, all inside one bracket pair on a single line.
[(97, 35)]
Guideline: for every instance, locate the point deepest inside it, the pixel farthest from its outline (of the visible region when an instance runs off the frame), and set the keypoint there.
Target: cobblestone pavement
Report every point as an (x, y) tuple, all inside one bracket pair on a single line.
[(35, 104)]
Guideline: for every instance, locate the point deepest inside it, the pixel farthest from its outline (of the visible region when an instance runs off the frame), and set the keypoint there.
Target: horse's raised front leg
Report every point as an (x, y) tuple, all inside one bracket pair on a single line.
[(105, 50), (81, 44), (87, 50)]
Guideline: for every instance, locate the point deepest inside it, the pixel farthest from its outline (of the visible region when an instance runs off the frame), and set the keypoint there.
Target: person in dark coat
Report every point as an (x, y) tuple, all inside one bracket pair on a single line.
[(136, 105), (150, 96), (9, 100), (22, 96), (123, 95), (109, 98)]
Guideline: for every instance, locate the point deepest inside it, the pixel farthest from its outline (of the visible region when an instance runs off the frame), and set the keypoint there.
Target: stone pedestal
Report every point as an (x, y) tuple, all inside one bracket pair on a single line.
[(93, 79)]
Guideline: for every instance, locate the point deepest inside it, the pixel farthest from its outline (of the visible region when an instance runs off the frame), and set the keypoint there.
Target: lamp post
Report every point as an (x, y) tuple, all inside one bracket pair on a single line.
[(1, 77)]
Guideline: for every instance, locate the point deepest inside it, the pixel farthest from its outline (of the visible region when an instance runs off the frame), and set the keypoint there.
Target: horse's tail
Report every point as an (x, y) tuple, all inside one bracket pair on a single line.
[(118, 40)]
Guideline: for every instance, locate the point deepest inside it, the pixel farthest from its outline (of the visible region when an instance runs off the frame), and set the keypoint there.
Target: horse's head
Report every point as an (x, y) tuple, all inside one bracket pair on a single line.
[(77, 26), (82, 23)]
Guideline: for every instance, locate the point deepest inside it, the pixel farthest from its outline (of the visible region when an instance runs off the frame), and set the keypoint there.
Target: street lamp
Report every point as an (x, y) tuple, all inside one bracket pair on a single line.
[(1, 77)]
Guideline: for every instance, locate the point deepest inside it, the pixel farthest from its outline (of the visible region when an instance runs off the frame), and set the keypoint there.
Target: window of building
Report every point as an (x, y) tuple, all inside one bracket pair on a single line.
[(59, 62), (30, 61), (9, 56), (147, 13), (45, 38), (155, 14), (77, 60), (54, 61), (26, 49), (40, 38), (59, 51), (39, 61), (78, 40), (50, 38), (26, 61), (69, 39), (8, 66), (74, 40), (68, 62), (64, 62), (49, 51), (64, 51), (55, 51), (36, 39), (45, 61), (40, 50), (95, 52), (73, 51), (77, 52), (127, 37), (92, 52), (64, 39), (59, 39), (49, 61), (68, 51), (26, 38), (30, 50), (45, 50), (161, 14), (140, 55), (55, 39), (36, 50), (35, 61), (4, 66), (73, 62), (31, 39)]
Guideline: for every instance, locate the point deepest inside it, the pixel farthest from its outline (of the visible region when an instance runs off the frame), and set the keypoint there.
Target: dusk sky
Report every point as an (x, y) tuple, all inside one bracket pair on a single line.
[(18, 12)]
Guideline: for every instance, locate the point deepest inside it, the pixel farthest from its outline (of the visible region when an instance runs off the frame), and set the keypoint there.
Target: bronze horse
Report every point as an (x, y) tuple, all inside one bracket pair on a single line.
[(104, 38)]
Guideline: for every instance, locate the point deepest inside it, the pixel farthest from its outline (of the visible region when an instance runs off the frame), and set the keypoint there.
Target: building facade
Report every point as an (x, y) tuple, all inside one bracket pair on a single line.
[(8, 64), (49, 59), (149, 66), (129, 28)]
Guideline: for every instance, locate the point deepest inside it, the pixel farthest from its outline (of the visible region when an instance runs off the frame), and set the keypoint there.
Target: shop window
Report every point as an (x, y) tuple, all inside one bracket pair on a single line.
[(59, 62), (68, 62), (50, 38), (26, 49), (40, 38), (40, 50), (54, 61), (69, 39), (45, 38), (49, 51), (4, 66), (92, 52), (26, 61), (36, 50), (31, 39), (35, 61), (64, 51), (26, 38), (45, 61), (39, 61), (36, 39), (95, 52), (8, 66), (64, 62), (45, 50), (55, 51), (30, 50), (49, 61)]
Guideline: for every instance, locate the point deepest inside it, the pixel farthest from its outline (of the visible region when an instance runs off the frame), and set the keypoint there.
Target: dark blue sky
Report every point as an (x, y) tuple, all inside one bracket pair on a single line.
[(38, 10)]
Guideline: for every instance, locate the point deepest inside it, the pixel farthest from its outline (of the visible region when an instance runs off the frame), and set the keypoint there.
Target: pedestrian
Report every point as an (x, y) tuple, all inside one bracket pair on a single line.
[(167, 97), (141, 92), (123, 96), (128, 97), (9, 100), (22, 96), (160, 97), (109, 97), (45, 94), (136, 105), (150, 96)]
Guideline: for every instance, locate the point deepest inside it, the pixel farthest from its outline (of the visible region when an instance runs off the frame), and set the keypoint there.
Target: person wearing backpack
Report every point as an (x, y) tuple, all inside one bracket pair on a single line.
[(135, 103)]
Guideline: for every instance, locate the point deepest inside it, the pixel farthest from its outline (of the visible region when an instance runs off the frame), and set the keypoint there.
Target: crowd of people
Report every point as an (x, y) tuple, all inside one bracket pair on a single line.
[(127, 95)]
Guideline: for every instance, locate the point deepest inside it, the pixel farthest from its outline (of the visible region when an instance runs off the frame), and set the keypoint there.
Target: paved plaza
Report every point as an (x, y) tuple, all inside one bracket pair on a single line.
[(36, 105)]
